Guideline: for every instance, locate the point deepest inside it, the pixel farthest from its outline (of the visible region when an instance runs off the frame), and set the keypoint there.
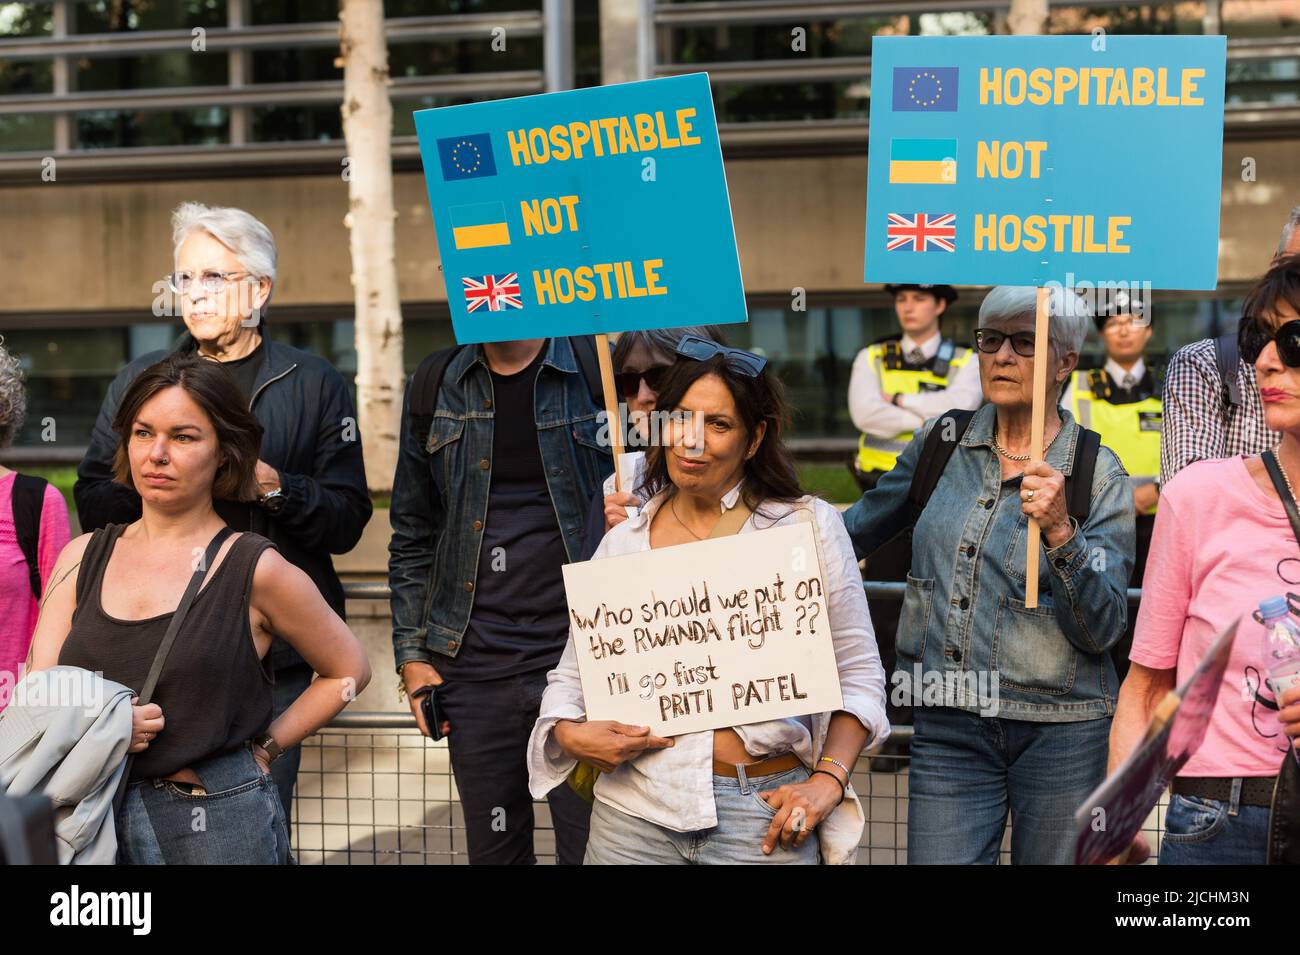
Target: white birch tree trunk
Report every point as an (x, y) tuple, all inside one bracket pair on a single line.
[(368, 169)]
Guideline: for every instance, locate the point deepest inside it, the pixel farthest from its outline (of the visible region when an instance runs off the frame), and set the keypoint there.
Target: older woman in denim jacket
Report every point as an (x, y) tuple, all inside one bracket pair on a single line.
[(1013, 704)]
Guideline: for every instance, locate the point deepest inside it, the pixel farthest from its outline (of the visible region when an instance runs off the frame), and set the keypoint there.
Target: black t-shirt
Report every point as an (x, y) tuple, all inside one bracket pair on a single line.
[(244, 370), (519, 621)]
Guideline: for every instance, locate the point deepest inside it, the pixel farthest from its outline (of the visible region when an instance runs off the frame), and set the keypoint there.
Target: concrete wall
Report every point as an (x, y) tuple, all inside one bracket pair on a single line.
[(87, 247)]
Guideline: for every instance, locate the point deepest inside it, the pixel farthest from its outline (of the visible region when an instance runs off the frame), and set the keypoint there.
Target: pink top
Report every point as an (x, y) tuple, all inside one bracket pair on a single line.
[(1220, 546), (18, 607)]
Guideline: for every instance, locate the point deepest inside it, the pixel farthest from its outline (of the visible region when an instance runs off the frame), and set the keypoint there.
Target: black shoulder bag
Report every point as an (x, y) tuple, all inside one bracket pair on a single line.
[(1284, 814), (169, 638)]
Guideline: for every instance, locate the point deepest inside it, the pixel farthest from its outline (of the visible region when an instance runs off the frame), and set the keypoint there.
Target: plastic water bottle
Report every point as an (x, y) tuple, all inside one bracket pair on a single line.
[(1281, 648)]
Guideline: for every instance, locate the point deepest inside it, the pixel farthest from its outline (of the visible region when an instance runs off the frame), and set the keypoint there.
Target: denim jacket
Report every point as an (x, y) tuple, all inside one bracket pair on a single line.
[(964, 624), (440, 492)]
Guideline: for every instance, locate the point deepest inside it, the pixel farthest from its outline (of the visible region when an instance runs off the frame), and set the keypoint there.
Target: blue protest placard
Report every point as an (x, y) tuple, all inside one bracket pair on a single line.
[(587, 211), (1069, 160)]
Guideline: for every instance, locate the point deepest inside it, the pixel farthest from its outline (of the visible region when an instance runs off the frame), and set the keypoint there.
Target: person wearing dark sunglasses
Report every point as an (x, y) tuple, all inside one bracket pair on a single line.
[(1031, 738), (641, 359), (1223, 541)]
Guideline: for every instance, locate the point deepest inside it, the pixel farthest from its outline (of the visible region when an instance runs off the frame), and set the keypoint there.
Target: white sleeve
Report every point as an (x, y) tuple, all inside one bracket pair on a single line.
[(963, 391), (870, 412)]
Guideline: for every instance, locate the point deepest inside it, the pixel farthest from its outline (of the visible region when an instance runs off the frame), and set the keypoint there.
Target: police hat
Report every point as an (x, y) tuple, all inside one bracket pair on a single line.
[(945, 292), (1111, 302)]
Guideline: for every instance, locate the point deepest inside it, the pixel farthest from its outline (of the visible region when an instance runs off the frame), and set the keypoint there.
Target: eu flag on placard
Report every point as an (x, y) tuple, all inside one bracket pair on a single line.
[(466, 157), (925, 89)]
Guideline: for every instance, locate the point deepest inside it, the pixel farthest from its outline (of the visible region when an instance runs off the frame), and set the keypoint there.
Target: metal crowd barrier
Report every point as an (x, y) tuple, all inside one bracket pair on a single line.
[(373, 791)]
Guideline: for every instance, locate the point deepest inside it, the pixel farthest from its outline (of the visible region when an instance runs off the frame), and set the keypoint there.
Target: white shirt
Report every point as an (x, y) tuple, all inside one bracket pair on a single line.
[(874, 415), (1118, 374), (673, 787)]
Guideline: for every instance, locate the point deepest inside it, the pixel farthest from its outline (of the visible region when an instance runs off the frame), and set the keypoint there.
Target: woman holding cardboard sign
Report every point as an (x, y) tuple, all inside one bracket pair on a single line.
[(1013, 704), (752, 793)]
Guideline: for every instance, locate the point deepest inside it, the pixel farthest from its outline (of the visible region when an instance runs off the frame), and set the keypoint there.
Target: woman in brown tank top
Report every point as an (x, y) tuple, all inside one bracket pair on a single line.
[(207, 739)]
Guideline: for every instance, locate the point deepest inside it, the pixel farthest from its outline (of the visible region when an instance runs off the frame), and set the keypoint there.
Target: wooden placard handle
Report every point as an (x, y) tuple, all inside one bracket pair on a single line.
[(611, 402), (1034, 537)]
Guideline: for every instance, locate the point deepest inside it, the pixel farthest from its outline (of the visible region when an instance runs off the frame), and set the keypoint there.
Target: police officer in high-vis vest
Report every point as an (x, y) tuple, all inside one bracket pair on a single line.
[(1122, 401), (897, 384), (901, 381)]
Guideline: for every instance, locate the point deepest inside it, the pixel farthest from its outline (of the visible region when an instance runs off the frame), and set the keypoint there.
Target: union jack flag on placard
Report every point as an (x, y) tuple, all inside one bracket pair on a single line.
[(497, 292), (922, 232)]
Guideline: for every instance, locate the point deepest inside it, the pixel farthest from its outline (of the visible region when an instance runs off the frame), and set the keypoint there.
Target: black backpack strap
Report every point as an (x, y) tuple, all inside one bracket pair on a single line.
[(934, 458), (1078, 486), (28, 502), (425, 385), (584, 350), (1228, 360)]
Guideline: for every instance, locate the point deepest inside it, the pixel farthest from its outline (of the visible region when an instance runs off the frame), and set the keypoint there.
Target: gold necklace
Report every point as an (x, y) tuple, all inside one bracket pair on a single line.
[(1018, 457), (672, 506)]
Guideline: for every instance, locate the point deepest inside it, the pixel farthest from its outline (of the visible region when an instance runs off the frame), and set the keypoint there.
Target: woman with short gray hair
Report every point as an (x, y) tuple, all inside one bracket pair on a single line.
[(1013, 704), (33, 530)]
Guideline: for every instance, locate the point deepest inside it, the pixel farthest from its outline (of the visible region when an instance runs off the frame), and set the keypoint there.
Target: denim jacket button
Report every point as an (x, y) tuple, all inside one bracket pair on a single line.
[(469, 586), (487, 402), (988, 504), (965, 602), (451, 644), (1060, 562), (970, 551), (483, 464), (956, 655), (478, 525)]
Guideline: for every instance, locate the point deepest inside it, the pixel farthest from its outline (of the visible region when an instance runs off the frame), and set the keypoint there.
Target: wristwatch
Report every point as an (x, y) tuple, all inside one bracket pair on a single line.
[(272, 501), (268, 743)]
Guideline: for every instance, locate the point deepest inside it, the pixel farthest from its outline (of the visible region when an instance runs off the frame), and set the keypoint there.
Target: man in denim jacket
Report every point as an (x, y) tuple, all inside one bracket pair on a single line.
[(1013, 705), (487, 507)]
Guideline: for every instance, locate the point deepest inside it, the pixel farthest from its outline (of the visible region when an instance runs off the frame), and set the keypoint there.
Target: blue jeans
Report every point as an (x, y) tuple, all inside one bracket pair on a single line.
[(743, 818), (238, 821), (290, 682), (968, 770), (1210, 832)]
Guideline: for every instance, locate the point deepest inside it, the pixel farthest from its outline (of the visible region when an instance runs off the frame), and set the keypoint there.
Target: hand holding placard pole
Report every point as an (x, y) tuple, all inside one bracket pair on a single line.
[(1041, 342)]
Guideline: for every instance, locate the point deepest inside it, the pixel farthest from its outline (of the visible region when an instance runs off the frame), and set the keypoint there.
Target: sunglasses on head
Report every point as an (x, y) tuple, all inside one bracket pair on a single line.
[(989, 341), (1254, 338), (629, 382), (737, 359)]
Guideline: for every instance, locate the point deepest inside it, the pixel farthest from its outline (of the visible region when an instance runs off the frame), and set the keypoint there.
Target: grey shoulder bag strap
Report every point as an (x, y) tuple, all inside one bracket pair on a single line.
[(169, 638)]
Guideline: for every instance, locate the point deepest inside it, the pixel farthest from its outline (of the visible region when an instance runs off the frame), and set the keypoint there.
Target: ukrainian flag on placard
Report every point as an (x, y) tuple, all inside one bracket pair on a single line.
[(479, 225), (932, 161)]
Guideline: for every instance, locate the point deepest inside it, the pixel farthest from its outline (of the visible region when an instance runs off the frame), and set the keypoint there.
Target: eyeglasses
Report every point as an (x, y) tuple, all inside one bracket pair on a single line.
[(211, 281), (1115, 324), (738, 360), (1254, 338), (989, 341), (629, 382)]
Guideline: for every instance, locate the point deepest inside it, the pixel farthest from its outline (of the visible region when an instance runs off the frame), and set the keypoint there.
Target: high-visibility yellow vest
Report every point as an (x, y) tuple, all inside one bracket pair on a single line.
[(897, 377), (1131, 430)]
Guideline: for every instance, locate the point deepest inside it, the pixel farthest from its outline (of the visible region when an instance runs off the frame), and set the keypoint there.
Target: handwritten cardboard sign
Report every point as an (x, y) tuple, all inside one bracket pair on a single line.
[(705, 635)]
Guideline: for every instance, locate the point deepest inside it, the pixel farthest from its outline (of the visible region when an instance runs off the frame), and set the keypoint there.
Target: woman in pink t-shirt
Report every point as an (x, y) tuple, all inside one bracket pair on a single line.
[(18, 606), (1222, 543)]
